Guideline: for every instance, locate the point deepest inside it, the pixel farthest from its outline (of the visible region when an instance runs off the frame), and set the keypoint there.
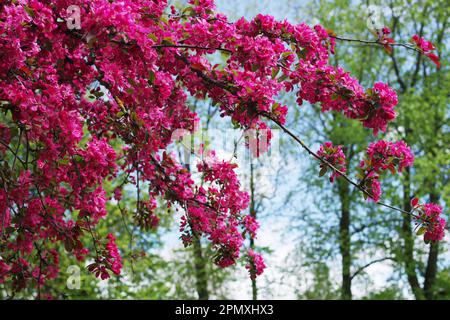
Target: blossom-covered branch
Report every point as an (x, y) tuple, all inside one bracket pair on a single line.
[(417, 44)]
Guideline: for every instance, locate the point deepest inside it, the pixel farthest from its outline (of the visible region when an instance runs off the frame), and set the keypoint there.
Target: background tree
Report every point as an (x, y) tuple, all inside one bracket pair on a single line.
[(369, 63)]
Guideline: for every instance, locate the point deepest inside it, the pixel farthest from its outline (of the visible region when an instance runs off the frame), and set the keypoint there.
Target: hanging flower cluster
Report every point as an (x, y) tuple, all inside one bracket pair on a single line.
[(217, 211), (108, 259), (426, 47), (428, 220), (255, 264), (381, 156), (334, 156), (251, 225)]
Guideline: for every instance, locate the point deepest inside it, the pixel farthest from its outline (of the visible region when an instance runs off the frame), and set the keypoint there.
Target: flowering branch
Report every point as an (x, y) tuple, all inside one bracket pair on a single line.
[(186, 46), (377, 42), (341, 173), (418, 44)]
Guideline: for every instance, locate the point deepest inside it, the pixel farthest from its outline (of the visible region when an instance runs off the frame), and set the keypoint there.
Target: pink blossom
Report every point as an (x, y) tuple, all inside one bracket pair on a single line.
[(251, 225), (422, 43), (333, 155), (375, 189), (255, 264), (426, 46), (383, 156), (386, 30), (4, 269), (429, 215)]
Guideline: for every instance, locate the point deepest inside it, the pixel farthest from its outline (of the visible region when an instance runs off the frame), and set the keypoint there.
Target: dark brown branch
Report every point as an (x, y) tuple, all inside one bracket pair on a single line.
[(187, 46), (361, 269), (394, 61), (324, 161), (378, 42)]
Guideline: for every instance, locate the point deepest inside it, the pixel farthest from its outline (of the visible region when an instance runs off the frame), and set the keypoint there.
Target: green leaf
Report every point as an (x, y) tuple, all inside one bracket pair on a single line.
[(167, 40), (29, 11), (151, 77), (153, 37), (189, 11), (323, 171), (77, 158), (421, 231), (282, 78), (275, 106), (13, 131), (275, 72), (63, 161)]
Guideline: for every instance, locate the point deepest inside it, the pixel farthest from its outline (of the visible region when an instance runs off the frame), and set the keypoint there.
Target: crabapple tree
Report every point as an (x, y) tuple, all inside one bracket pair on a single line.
[(68, 93)]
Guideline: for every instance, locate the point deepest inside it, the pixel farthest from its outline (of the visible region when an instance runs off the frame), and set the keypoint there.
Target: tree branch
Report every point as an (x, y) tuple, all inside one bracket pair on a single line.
[(361, 269), (324, 161)]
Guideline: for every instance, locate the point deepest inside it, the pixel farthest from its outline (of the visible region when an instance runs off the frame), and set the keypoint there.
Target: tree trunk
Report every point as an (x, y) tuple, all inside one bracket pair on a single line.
[(200, 270), (344, 239), (253, 214), (408, 239), (201, 277), (431, 270)]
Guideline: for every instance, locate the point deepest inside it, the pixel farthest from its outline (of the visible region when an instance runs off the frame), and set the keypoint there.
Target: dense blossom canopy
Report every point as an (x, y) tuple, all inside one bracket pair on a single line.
[(68, 95)]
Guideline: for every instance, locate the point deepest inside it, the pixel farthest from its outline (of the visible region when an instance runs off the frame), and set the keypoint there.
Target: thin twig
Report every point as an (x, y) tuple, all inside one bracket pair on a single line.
[(359, 270), (187, 46), (349, 180), (378, 42)]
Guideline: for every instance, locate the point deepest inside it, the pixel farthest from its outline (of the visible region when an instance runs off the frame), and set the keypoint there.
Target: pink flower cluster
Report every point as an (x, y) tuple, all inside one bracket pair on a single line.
[(386, 30), (113, 256), (255, 264), (4, 269), (381, 110), (109, 259), (216, 212), (334, 156), (428, 216), (385, 40), (385, 155), (251, 225), (146, 217), (426, 47), (381, 156)]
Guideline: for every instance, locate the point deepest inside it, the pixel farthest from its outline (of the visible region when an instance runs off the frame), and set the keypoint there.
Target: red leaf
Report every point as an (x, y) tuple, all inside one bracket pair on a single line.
[(331, 33), (435, 59), (388, 49), (198, 66), (392, 169), (414, 202)]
